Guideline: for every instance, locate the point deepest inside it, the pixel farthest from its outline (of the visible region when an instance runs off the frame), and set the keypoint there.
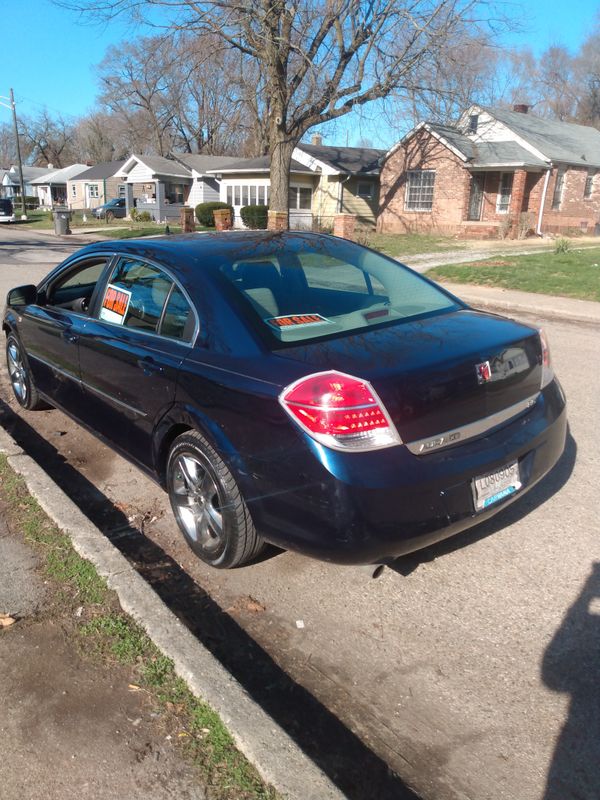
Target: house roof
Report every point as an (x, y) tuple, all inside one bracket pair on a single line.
[(107, 169), (504, 154), (59, 176), (259, 164), (159, 165), (203, 163), (559, 141), (29, 173), (348, 160)]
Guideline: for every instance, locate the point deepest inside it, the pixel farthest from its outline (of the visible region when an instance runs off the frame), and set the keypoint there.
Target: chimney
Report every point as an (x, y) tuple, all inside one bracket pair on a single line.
[(316, 139), (521, 108)]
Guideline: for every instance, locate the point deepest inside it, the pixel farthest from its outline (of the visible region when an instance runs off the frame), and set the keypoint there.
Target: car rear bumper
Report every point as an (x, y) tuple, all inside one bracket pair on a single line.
[(373, 507)]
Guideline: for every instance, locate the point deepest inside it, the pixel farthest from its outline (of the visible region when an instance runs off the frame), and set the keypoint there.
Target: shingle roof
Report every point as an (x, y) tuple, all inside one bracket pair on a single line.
[(560, 141), (202, 163), (58, 176), (29, 173), (487, 154), (259, 164), (100, 171), (164, 166), (349, 160)]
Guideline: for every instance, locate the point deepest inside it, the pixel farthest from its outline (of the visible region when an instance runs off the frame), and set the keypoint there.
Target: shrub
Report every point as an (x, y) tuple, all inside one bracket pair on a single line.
[(204, 213), (526, 223), (30, 201), (134, 214), (505, 227), (562, 246), (144, 216), (255, 216)]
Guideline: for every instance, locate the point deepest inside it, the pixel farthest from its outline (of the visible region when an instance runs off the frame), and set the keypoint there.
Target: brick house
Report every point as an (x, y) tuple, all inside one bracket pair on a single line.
[(496, 173)]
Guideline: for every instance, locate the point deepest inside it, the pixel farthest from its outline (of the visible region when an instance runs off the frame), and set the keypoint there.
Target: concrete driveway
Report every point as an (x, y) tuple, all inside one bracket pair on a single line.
[(471, 669)]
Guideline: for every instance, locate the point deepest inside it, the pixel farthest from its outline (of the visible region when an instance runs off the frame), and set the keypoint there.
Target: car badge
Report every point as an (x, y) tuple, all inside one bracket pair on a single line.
[(484, 372)]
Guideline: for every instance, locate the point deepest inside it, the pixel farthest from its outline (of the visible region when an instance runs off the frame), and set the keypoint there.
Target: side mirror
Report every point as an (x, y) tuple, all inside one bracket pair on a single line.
[(22, 296)]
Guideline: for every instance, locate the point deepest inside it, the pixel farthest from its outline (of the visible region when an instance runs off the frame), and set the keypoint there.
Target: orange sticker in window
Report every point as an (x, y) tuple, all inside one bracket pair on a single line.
[(297, 319), (115, 304)]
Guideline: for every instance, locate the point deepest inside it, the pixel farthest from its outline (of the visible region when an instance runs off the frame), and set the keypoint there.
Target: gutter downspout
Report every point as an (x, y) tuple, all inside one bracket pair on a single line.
[(538, 229)]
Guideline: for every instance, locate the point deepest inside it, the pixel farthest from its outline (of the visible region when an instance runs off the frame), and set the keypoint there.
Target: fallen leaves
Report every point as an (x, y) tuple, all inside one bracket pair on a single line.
[(6, 620)]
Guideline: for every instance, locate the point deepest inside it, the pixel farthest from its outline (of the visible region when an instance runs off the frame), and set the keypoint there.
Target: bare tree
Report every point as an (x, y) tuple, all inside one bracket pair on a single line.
[(318, 59), (49, 140)]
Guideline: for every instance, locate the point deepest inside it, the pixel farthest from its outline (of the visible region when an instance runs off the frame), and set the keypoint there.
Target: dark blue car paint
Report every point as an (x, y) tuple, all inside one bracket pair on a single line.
[(346, 507)]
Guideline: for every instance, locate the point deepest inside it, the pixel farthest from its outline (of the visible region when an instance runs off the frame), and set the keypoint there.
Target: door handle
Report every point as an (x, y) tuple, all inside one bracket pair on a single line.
[(73, 338), (149, 366)]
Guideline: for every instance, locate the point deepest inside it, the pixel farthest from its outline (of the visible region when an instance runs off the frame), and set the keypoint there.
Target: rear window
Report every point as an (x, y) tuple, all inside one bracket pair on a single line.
[(6, 207), (311, 288)]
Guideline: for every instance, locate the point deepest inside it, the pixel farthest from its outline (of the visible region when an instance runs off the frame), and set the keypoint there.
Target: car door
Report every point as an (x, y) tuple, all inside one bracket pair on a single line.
[(50, 329), (142, 328)]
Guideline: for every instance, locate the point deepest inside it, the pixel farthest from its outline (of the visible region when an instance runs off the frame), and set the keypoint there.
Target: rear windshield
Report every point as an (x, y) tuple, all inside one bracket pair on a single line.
[(303, 288), (6, 207)]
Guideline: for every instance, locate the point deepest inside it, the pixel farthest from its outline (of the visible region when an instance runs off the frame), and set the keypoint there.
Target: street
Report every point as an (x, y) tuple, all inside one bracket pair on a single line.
[(470, 669)]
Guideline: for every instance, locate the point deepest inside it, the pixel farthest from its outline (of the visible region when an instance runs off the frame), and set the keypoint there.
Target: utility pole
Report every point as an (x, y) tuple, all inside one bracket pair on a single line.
[(14, 113)]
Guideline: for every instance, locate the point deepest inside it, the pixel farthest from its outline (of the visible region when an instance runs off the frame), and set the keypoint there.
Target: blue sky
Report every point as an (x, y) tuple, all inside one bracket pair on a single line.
[(49, 57)]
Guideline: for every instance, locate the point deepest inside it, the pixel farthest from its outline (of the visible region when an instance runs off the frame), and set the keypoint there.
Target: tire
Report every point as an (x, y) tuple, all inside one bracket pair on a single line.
[(20, 376), (207, 504)]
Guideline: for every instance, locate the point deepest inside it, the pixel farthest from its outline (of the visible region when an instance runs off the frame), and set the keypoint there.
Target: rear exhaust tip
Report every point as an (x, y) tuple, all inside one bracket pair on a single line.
[(372, 570)]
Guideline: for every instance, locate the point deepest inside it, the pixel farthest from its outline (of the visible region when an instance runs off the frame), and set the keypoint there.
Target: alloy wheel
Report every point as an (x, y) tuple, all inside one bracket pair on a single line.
[(196, 501), (16, 370)]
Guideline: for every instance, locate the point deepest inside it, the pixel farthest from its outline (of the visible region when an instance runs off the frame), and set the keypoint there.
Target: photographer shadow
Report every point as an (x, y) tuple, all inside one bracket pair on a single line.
[(571, 665)]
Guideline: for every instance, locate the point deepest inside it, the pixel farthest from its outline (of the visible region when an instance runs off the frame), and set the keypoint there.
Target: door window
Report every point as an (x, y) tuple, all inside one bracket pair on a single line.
[(178, 320), (135, 295), (74, 289)]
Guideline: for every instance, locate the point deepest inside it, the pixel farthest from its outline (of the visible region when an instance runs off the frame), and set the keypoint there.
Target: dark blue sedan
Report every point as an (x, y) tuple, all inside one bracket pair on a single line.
[(291, 388)]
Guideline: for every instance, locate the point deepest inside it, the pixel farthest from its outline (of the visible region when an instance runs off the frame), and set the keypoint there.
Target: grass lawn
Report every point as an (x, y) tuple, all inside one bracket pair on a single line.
[(410, 244), (575, 273)]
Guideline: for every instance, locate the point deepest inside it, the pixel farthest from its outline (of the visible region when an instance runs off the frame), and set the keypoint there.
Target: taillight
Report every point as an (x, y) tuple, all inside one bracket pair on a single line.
[(340, 411), (547, 371)]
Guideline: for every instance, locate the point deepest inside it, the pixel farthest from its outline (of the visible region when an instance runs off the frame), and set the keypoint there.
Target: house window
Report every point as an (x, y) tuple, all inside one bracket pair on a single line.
[(93, 190), (122, 190), (473, 122), (589, 184), (558, 190), (504, 192), (364, 189), (244, 195), (300, 197), (74, 191), (419, 190)]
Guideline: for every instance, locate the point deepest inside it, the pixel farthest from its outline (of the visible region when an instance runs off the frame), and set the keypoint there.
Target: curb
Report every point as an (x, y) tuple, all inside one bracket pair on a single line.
[(535, 305), (265, 744)]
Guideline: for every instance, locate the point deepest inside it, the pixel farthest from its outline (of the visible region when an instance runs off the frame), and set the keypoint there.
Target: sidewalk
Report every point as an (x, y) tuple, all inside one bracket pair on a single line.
[(513, 302)]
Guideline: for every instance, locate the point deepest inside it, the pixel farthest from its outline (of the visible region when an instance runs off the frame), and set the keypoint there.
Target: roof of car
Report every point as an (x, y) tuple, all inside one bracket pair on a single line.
[(183, 248)]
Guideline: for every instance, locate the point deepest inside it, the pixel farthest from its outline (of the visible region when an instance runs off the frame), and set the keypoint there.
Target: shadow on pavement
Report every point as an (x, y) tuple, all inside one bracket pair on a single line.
[(342, 756), (545, 489), (571, 664)]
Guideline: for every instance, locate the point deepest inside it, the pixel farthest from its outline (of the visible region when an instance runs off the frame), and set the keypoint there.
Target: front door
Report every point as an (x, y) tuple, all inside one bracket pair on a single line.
[(476, 196)]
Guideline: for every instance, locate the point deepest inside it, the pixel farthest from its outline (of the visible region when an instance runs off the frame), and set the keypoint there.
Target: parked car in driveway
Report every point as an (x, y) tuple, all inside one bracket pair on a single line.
[(7, 213), (291, 388), (114, 209)]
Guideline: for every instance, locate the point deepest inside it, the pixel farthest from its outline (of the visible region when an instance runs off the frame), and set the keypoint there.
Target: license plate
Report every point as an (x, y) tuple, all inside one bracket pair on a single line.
[(495, 486)]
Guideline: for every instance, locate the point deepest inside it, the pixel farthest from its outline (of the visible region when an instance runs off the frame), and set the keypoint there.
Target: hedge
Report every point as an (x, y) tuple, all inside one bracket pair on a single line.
[(204, 213), (255, 216)]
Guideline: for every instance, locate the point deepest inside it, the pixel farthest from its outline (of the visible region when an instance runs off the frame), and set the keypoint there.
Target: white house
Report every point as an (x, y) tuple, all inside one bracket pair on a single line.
[(51, 189)]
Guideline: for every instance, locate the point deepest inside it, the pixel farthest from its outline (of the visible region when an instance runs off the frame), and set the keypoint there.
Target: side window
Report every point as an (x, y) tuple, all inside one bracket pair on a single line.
[(75, 289), (178, 320), (135, 295)]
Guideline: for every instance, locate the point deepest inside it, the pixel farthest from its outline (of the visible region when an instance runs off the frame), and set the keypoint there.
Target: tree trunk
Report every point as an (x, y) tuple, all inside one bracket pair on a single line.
[(282, 148)]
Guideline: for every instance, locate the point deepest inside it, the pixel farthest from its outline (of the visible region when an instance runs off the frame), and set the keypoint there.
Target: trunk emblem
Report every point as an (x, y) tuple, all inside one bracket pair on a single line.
[(484, 372)]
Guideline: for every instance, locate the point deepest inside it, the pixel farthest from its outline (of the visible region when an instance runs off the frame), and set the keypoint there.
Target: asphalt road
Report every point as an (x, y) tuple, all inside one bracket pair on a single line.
[(470, 669)]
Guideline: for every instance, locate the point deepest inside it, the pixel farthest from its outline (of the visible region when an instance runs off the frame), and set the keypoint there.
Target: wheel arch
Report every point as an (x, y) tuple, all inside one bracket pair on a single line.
[(180, 419)]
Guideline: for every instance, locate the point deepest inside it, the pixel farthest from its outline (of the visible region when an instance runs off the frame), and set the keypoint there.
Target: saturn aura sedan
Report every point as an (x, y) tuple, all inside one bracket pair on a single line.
[(291, 388)]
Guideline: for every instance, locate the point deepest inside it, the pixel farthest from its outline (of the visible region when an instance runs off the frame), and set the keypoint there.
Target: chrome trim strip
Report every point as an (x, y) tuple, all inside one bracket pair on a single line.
[(54, 368), (112, 399), (87, 386), (462, 434)]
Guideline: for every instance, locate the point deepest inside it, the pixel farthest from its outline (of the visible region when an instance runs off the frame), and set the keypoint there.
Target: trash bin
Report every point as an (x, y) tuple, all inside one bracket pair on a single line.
[(62, 218)]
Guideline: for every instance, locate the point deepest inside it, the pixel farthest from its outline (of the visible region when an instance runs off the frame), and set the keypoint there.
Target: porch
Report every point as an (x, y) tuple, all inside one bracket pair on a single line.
[(502, 203)]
